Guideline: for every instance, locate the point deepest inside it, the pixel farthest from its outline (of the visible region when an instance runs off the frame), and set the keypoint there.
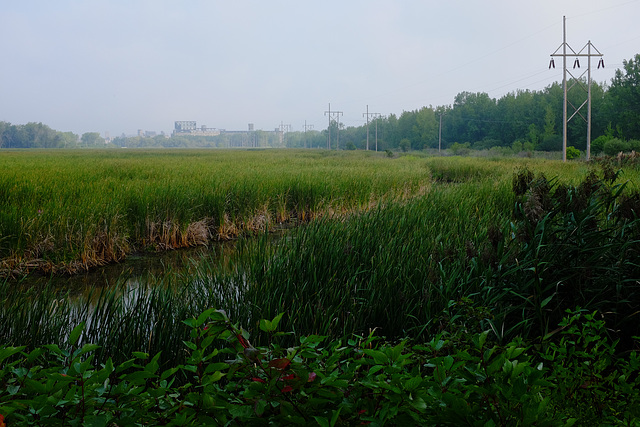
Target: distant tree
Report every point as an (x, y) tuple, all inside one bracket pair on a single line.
[(550, 143), (426, 129), (528, 147), (533, 134), (408, 129), (4, 139), (516, 147), (92, 139), (624, 94)]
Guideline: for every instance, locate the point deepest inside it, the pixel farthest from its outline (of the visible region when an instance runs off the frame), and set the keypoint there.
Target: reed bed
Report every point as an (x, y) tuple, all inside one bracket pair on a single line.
[(467, 250), (68, 211)]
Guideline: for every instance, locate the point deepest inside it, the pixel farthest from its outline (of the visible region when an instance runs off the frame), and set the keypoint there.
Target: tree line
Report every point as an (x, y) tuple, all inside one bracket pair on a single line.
[(530, 120), (38, 135), (524, 119)]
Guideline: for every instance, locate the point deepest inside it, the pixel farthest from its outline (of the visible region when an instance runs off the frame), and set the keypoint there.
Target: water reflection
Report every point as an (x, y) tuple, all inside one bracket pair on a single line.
[(138, 269)]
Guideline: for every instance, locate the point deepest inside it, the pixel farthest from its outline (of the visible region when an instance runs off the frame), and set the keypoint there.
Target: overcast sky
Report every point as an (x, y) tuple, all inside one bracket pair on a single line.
[(121, 65)]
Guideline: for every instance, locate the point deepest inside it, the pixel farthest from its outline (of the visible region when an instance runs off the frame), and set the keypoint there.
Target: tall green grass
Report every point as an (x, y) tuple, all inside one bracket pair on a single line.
[(403, 266), (69, 210)]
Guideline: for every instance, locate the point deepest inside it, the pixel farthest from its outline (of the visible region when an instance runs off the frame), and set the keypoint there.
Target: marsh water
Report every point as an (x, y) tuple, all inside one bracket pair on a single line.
[(140, 268), (137, 269)]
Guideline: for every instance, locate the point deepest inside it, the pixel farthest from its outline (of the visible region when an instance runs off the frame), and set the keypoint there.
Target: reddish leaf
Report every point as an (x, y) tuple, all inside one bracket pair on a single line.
[(258, 380), (279, 363), (312, 376), (243, 341), (287, 389), (289, 377)]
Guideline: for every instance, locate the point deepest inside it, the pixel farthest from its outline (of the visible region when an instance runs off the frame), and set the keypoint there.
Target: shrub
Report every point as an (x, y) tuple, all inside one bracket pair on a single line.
[(597, 145), (460, 149), (614, 146), (572, 152), (452, 379), (550, 143)]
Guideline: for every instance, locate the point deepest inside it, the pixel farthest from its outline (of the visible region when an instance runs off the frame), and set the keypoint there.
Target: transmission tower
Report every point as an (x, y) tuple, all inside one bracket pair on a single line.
[(576, 81), (367, 114), (306, 128), (283, 132), (335, 116)]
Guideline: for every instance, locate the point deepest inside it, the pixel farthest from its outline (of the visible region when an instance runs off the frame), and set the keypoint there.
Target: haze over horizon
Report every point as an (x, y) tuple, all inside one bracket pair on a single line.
[(120, 66)]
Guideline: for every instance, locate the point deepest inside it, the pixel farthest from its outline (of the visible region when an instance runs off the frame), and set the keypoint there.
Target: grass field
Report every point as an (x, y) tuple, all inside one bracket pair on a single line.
[(505, 290), (404, 245), (65, 211)]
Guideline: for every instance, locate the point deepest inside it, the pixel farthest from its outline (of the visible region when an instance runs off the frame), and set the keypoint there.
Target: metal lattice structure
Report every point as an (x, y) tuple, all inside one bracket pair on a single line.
[(588, 51)]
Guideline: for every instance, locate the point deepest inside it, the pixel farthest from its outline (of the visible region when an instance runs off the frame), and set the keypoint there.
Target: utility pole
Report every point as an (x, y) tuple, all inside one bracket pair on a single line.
[(328, 128), (440, 134), (576, 81), (336, 117), (306, 127), (367, 114), (376, 116)]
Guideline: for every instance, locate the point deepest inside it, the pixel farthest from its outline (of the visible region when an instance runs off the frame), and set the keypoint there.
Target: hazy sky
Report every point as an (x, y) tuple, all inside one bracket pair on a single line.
[(124, 65)]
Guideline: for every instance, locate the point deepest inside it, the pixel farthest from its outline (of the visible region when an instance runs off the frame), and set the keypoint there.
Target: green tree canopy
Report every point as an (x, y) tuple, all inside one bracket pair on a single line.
[(625, 98)]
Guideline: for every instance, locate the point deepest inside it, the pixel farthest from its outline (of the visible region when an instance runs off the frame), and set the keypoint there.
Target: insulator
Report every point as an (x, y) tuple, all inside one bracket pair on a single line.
[(552, 64), (576, 63), (601, 63)]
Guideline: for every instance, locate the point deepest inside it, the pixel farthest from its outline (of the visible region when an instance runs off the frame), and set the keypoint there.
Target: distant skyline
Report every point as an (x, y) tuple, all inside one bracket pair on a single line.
[(119, 66)]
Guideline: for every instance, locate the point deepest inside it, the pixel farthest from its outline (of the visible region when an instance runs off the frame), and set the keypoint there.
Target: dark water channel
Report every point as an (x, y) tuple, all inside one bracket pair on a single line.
[(136, 269)]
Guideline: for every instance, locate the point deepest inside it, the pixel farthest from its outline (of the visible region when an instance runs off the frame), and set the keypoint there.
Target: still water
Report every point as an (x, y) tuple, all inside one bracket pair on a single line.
[(137, 269)]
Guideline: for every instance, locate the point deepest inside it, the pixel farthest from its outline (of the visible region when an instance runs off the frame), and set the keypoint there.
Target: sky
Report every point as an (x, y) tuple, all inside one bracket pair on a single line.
[(120, 66)]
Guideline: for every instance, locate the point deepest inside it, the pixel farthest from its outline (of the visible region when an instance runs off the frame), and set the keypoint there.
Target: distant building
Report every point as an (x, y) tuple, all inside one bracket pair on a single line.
[(191, 129)]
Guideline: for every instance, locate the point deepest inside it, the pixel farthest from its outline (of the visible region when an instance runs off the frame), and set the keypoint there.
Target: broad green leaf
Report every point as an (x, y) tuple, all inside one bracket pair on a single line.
[(75, 334), (322, 421), (378, 356)]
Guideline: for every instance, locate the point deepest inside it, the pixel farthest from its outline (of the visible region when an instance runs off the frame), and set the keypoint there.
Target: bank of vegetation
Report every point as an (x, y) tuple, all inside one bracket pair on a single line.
[(67, 211), (504, 291)]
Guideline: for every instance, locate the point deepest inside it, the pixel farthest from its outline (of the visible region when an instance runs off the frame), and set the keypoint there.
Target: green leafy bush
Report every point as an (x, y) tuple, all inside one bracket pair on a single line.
[(597, 145), (572, 152), (363, 380), (458, 149), (614, 146)]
